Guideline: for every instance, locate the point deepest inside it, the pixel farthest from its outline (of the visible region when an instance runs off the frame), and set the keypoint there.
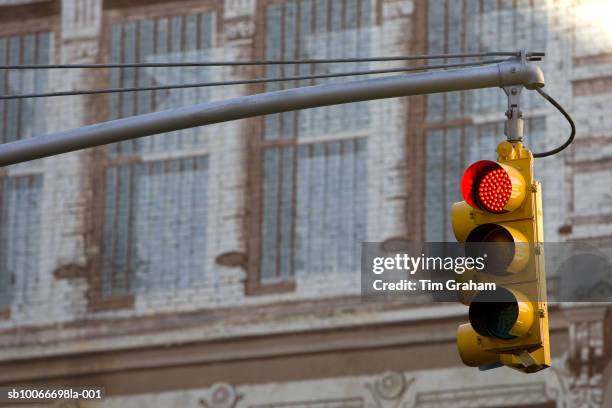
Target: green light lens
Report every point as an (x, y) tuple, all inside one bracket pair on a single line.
[(494, 313)]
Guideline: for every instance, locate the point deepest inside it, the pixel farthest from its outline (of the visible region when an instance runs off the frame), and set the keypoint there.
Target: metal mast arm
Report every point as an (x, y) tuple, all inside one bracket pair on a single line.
[(514, 71)]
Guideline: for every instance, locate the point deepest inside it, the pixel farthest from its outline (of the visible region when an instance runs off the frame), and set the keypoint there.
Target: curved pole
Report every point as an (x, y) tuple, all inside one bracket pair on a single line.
[(514, 71)]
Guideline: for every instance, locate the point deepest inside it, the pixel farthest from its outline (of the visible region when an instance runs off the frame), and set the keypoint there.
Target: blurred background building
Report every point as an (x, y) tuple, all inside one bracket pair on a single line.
[(219, 266)]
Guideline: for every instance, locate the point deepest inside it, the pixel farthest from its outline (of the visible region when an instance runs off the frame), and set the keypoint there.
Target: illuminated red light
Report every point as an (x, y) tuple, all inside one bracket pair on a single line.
[(494, 190), (493, 187)]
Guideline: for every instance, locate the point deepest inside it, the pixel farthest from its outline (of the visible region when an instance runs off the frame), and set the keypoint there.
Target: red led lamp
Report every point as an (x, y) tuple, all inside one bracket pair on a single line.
[(493, 187)]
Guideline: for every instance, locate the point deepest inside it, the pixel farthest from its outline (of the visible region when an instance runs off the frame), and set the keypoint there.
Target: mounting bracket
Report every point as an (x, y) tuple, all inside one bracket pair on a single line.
[(513, 128)]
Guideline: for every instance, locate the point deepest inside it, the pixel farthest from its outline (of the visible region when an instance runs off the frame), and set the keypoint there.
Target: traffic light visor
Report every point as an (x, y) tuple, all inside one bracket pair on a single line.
[(493, 187)]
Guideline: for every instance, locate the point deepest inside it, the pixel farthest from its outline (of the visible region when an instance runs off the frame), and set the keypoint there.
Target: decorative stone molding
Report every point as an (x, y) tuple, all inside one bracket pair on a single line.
[(389, 389), (81, 18), (502, 395), (589, 351), (220, 395), (236, 8), (83, 51), (239, 29), (397, 9)]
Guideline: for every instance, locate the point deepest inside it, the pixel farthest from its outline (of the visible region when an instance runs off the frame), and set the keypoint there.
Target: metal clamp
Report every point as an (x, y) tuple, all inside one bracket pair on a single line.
[(514, 125), (513, 128)]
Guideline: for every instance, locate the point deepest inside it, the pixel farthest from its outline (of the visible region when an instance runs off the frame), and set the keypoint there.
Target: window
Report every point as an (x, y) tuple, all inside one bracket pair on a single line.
[(20, 229), (455, 26), (21, 186), (314, 208), (452, 140), (155, 225), (314, 167), (155, 213)]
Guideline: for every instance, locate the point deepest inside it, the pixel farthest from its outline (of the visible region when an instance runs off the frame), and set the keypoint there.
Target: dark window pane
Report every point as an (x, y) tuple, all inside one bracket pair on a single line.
[(472, 26), (20, 231), (20, 195), (156, 211), (307, 29), (176, 39), (315, 211), (314, 197)]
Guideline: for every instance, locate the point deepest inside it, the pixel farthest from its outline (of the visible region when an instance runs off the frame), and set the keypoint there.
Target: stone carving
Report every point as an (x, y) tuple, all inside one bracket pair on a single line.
[(389, 389), (502, 395), (81, 52), (239, 29), (81, 18), (587, 355), (391, 386), (220, 395), (235, 8), (557, 388), (397, 9)]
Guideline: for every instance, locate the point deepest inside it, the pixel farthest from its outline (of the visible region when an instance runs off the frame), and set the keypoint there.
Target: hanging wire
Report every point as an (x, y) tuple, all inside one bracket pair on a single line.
[(570, 139), (531, 56), (247, 81)]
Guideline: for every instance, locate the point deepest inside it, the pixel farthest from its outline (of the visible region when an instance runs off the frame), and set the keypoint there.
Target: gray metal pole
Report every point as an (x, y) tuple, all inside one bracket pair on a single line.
[(515, 71)]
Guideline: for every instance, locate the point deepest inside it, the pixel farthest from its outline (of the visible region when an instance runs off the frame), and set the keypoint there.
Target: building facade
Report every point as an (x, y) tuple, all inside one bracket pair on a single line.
[(219, 266)]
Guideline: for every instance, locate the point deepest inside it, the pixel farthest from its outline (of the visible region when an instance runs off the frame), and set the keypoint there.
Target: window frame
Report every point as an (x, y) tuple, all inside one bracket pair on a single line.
[(45, 19), (117, 12), (256, 145)]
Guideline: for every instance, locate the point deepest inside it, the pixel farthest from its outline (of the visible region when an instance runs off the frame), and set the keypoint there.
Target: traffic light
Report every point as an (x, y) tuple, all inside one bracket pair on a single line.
[(501, 219)]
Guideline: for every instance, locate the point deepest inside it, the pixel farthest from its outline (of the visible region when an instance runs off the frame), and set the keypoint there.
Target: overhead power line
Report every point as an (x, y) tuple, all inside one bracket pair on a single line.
[(533, 56), (248, 81)]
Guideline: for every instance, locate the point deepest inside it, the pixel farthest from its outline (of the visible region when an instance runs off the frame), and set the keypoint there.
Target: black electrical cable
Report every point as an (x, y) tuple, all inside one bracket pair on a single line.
[(570, 139), (533, 55), (246, 81)]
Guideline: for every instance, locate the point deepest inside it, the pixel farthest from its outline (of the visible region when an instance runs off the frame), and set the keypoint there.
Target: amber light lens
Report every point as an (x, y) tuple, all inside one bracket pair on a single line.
[(494, 190)]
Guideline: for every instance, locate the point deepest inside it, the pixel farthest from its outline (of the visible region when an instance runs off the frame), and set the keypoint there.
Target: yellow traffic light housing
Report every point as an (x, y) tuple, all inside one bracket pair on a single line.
[(501, 216), (470, 351)]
